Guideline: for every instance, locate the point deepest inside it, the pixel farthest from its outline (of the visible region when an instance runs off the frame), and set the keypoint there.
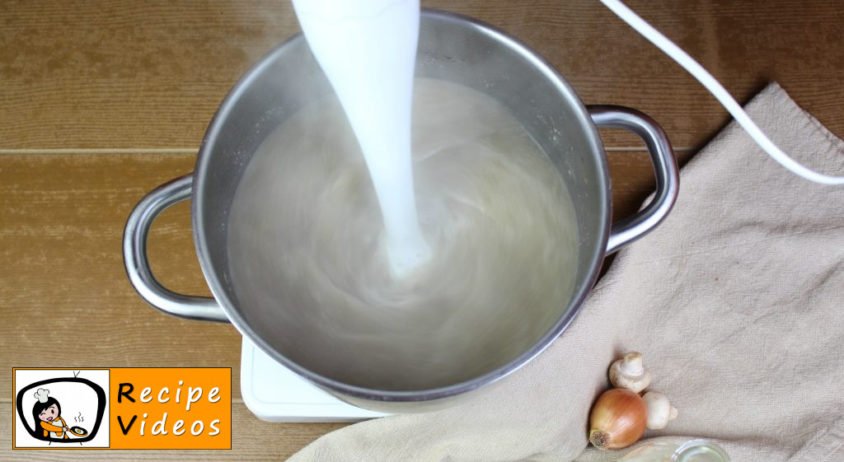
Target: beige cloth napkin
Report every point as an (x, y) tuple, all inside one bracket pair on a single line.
[(736, 301)]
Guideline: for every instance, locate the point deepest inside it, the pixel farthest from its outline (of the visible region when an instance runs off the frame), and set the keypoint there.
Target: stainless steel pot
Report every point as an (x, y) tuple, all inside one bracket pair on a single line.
[(451, 48)]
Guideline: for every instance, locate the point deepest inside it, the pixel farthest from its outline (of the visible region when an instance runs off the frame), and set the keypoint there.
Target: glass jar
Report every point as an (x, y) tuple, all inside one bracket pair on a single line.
[(677, 450)]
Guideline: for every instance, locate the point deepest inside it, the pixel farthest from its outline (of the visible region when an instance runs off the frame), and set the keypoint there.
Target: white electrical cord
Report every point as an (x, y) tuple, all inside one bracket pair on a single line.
[(705, 78)]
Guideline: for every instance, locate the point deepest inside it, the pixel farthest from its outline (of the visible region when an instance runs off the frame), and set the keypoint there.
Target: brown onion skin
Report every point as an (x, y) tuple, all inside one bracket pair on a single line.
[(618, 419)]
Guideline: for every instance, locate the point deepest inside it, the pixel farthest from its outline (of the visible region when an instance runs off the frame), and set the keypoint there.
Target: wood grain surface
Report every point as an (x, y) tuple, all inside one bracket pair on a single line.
[(127, 74), (102, 100)]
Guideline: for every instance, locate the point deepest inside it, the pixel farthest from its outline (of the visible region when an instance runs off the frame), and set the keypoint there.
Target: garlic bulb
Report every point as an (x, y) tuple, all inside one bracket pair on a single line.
[(618, 419), (660, 411), (630, 373)]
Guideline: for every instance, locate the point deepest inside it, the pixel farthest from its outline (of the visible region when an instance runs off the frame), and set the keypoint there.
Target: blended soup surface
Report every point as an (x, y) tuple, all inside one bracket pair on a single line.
[(307, 245)]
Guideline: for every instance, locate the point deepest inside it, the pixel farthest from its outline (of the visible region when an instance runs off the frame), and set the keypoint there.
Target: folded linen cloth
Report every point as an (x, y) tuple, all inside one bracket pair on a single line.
[(736, 301)]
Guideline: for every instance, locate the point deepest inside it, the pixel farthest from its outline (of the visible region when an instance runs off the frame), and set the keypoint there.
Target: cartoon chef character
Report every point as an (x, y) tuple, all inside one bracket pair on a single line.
[(47, 413)]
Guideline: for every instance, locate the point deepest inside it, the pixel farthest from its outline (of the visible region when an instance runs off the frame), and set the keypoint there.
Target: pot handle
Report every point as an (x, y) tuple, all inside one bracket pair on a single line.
[(665, 169), (137, 265)]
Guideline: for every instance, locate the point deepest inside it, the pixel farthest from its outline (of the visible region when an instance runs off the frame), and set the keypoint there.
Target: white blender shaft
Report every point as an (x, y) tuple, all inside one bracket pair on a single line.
[(367, 49)]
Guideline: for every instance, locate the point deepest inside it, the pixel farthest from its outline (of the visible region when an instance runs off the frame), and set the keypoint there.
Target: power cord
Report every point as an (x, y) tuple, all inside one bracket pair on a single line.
[(708, 81)]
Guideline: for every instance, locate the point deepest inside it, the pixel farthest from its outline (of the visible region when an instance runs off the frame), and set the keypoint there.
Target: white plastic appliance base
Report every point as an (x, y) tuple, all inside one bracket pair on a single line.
[(276, 394)]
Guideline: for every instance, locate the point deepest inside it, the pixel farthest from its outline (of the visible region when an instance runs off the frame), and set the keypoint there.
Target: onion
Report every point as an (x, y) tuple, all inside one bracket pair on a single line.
[(618, 419)]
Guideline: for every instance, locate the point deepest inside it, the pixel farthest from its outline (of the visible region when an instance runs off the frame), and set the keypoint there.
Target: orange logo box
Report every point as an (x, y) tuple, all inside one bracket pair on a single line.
[(170, 408)]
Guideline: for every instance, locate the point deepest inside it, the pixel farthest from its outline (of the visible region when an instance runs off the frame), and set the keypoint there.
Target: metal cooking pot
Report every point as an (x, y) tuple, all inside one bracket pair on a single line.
[(451, 48)]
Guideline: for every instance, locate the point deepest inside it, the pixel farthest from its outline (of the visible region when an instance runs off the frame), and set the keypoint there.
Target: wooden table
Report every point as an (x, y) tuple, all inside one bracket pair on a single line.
[(101, 101)]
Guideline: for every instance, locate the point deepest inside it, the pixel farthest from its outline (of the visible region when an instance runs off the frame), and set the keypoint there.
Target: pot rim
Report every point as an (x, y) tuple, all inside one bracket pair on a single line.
[(565, 91)]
